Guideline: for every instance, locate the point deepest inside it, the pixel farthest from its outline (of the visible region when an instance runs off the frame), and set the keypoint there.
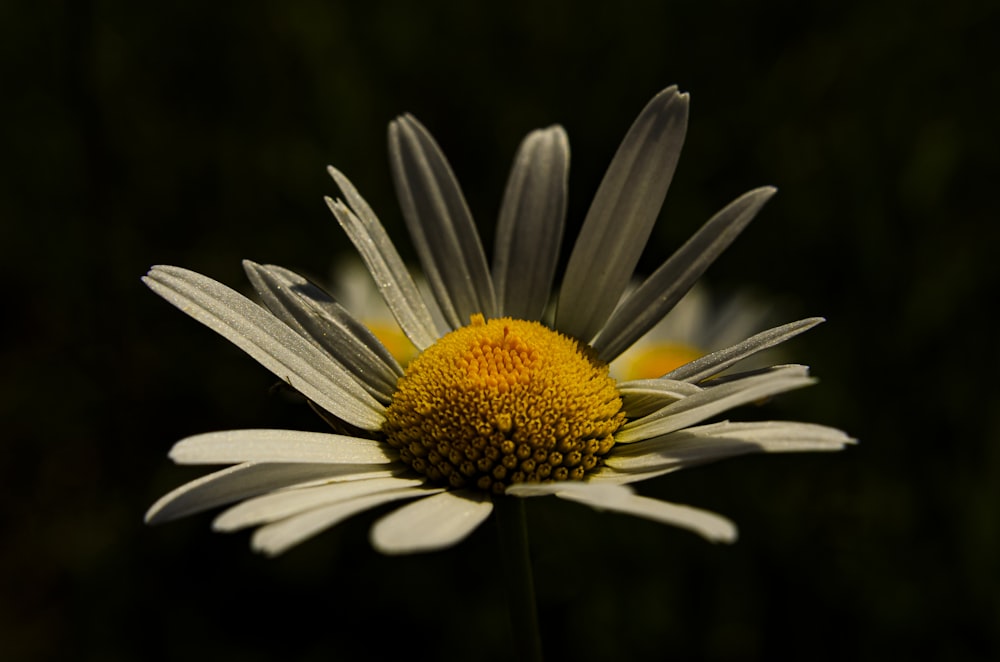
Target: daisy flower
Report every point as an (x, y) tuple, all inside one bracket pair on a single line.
[(503, 401), (696, 326)]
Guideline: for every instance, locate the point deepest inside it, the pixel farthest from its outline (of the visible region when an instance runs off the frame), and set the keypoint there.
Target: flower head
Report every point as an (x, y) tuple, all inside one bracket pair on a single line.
[(697, 325), (503, 400)]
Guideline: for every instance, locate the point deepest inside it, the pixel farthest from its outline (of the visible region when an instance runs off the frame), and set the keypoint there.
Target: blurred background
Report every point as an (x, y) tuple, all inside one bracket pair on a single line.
[(197, 134)]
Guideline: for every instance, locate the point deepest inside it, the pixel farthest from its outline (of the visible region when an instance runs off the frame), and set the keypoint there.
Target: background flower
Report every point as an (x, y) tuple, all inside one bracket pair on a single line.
[(696, 326), (352, 285)]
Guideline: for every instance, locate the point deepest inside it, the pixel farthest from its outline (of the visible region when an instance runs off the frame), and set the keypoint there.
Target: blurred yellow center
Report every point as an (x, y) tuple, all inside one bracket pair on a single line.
[(658, 359), (502, 402), (394, 340)]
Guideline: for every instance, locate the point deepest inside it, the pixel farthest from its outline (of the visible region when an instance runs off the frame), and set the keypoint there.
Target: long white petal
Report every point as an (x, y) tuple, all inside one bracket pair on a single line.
[(270, 341), (621, 216), (643, 308), (429, 524), (279, 505), (440, 224), (273, 539), (530, 228), (620, 498), (714, 363), (242, 481), (711, 401), (384, 263), (717, 441), (315, 315), (708, 525), (234, 446)]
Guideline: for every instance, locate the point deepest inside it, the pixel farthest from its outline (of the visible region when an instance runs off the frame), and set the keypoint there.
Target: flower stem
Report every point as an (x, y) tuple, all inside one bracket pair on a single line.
[(520, 586)]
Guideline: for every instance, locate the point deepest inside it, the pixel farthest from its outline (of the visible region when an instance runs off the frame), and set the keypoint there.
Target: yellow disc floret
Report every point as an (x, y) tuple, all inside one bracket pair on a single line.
[(502, 402)]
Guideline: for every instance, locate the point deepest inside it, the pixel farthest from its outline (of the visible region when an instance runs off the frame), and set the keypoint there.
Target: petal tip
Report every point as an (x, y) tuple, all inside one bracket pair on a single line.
[(150, 517), (726, 537)]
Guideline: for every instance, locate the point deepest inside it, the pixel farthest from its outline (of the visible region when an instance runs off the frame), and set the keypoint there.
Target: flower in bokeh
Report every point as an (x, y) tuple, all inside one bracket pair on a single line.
[(696, 326), (354, 288), (502, 400)]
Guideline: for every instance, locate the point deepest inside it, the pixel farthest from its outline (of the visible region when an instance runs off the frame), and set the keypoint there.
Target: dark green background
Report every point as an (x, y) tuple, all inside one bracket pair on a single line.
[(196, 134)]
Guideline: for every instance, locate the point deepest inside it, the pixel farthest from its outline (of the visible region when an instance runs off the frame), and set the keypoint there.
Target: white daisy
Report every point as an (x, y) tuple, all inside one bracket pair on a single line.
[(500, 403), (696, 326)]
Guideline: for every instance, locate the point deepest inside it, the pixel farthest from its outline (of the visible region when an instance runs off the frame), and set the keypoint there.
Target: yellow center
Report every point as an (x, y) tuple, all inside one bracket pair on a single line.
[(394, 339), (502, 402), (657, 360)]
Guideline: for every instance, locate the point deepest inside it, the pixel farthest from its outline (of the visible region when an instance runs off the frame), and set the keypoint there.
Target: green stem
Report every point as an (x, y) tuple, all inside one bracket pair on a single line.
[(520, 587)]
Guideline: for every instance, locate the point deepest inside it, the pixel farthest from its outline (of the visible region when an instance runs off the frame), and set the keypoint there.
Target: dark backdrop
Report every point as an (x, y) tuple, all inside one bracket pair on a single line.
[(197, 133)]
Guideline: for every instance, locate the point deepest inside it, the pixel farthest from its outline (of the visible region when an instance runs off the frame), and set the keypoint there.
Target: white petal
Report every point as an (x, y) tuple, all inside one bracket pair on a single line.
[(440, 224), (315, 315), (620, 498), (276, 538), (644, 396), (240, 482), (711, 401), (384, 263), (708, 443), (279, 505), (714, 363), (621, 216), (530, 228), (233, 446), (429, 524), (270, 341), (643, 308), (708, 525)]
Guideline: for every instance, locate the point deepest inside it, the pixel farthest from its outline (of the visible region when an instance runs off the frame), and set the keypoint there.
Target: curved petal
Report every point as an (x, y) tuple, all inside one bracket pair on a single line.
[(278, 537), (243, 481), (708, 525), (709, 443), (711, 401), (270, 341), (714, 363), (384, 263), (232, 446), (439, 223), (620, 498), (644, 396), (433, 523), (622, 215), (315, 315), (530, 228), (286, 503), (647, 305)]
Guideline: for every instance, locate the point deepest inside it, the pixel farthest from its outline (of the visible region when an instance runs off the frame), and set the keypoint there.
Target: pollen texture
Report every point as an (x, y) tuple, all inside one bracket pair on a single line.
[(502, 402)]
